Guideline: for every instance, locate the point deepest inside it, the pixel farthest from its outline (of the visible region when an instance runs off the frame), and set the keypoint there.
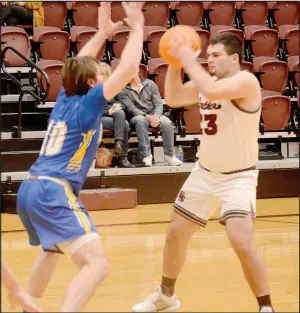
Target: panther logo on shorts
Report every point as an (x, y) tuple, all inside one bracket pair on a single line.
[(181, 196)]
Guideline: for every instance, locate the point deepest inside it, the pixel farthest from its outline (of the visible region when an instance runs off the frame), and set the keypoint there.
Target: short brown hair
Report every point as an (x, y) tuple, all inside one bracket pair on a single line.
[(231, 42), (76, 72)]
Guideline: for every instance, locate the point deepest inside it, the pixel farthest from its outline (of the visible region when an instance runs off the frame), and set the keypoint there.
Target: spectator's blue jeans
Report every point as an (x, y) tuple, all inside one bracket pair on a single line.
[(140, 124), (118, 124)]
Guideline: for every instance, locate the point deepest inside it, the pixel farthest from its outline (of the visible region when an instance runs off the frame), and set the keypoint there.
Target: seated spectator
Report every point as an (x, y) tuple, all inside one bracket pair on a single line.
[(145, 109), (114, 119), (22, 13)]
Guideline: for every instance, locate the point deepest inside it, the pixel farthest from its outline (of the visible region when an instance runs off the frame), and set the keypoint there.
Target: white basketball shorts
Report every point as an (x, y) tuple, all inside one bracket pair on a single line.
[(204, 192)]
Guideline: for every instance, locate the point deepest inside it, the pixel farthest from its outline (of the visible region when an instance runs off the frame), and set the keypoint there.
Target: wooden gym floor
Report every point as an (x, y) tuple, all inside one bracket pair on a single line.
[(212, 279)]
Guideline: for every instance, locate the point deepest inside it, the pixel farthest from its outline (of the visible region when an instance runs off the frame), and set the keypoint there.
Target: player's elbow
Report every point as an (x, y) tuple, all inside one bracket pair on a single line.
[(172, 99), (133, 68), (171, 102), (129, 69)]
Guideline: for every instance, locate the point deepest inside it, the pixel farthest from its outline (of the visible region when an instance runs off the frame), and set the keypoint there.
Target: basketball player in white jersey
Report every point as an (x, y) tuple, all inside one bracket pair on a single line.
[(230, 107)]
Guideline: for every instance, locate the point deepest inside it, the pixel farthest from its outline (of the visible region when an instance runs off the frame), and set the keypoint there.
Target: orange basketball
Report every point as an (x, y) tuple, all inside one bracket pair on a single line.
[(169, 35)]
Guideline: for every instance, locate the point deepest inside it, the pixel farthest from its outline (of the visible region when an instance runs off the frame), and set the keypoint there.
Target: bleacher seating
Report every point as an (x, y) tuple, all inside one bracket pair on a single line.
[(252, 12), (276, 110), (17, 38), (294, 73), (218, 29), (84, 13), (247, 66), (53, 69), (118, 41), (152, 35), (143, 70), (187, 12), (158, 69), (204, 35), (51, 42), (220, 12), (192, 120), (269, 31), (273, 74), (117, 12), (156, 13), (55, 13), (80, 35), (289, 35), (262, 40), (284, 12)]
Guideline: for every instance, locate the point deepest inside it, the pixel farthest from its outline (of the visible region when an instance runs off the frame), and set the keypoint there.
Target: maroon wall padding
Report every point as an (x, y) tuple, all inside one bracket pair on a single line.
[(108, 199)]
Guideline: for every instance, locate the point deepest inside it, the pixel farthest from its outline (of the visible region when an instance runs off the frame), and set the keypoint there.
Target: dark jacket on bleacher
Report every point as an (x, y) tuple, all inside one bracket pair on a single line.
[(147, 102)]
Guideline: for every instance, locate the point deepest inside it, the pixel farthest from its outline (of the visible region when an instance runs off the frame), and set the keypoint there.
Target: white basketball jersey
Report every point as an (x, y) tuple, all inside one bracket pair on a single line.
[(229, 138)]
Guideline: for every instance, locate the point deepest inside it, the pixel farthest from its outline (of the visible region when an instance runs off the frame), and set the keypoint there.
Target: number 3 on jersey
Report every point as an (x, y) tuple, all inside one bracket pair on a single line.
[(209, 120), (55, 137)]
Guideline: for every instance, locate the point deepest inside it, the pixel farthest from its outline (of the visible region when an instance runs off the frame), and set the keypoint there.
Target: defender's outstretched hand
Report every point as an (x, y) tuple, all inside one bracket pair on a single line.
[(105, 24), (134, 13)]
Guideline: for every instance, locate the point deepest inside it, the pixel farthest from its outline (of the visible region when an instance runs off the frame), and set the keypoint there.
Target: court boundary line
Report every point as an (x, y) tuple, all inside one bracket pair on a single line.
[(166, 222)]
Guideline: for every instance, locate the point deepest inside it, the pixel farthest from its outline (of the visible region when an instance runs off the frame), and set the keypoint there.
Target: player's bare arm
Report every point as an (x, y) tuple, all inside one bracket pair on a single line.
[(17, 296), (105, 28), (132, 53), (243, 86), (178, 94)]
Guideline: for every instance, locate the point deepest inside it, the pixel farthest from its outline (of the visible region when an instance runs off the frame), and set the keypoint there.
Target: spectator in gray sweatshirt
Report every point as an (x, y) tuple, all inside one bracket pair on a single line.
[(145, 109)]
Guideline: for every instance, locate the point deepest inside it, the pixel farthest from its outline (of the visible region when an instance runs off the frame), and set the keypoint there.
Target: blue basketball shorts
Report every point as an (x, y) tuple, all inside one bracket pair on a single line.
[(51, 213)]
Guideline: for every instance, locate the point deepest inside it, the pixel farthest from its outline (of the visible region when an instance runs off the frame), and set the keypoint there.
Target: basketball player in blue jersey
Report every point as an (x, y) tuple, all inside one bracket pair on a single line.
[(224, 176), (47, 200)]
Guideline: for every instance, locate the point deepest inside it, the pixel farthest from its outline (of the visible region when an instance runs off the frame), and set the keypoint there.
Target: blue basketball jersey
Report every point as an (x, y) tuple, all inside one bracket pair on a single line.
[(73, 137)]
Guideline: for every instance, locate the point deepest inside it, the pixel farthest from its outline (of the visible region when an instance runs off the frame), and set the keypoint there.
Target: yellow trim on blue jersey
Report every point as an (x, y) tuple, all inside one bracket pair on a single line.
[(81, 215), (76, 161)]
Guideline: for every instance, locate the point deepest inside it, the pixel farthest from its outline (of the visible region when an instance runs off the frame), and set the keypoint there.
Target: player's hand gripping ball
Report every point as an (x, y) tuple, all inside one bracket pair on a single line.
[(172, 33)]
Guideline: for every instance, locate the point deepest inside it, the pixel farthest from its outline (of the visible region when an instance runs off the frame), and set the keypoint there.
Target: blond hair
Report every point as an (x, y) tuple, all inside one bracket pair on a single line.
[(105, 70)]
